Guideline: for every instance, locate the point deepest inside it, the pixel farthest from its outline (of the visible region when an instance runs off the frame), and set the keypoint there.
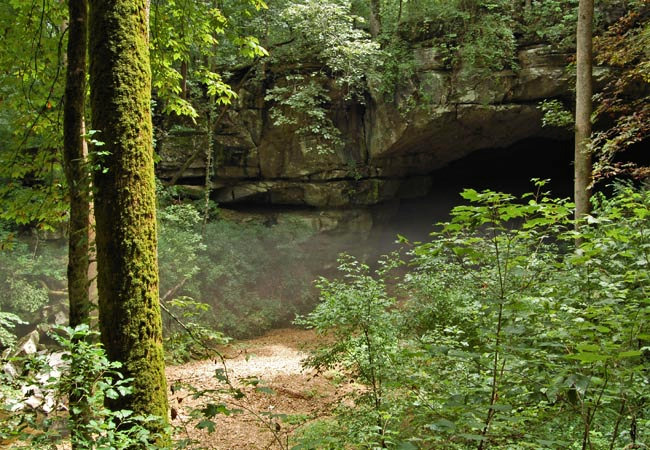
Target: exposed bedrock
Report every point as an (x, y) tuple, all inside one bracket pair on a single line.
[(391, 145)]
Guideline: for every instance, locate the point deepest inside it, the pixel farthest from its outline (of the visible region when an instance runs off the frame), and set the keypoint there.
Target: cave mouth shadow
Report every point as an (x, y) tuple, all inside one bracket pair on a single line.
[(508, 170)]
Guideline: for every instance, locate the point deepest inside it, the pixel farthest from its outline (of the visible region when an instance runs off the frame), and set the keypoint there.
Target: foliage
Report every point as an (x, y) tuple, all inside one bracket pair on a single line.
[(556, 114), (303, 105), (324, 34), (488, 43), (510, 338), (472, 35), (471, 39), (322, 38), (237, 278), (354, 314), (186, 335), (179, 244), (624, 100), (31, 90), (86, 372), (7, 322), (553, 22), (249, 276), (29, 271), (185, 36)]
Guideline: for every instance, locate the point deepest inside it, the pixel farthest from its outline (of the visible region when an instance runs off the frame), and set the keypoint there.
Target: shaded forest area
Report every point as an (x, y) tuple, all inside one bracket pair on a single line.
[(178, 173)]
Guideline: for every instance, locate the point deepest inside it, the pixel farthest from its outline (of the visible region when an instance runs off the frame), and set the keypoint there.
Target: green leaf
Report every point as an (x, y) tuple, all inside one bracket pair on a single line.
[(442, 425), (470, 194), (587, 347), (473, 437), (220, 374), (405, 445), (112, 394), (213, 409), (265, 390), (206, 425), (501, 407), (588, 357)]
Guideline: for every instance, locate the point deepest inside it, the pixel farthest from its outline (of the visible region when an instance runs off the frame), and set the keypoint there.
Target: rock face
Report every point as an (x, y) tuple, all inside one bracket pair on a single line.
[(391, 145)]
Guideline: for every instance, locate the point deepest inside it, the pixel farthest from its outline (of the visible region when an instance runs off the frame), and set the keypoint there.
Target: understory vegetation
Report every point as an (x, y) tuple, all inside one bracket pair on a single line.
[(513, 327), (32, 280), (238, 278), (498, 334), (219, 279), (35, 391)]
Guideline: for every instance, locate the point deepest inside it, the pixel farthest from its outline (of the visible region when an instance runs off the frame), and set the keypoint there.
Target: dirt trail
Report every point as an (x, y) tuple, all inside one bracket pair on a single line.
[(276, 359)]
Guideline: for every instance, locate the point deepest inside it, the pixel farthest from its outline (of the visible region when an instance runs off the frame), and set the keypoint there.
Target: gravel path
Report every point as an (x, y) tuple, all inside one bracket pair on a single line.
[(275, 360)]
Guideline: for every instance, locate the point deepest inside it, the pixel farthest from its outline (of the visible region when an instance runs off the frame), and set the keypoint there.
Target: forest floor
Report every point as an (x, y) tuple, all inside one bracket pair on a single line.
[(286, 398)]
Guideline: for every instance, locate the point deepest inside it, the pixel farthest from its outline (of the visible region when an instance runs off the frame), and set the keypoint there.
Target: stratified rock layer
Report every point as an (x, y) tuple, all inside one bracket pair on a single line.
[(391, 145)]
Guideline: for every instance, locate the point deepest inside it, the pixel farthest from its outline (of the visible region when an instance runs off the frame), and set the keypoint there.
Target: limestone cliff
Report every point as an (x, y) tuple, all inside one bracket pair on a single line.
[(390, 145)]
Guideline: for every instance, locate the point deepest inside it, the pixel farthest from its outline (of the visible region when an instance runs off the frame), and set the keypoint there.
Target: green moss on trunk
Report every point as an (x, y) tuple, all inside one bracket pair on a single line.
[(74, 156), (129, 312)]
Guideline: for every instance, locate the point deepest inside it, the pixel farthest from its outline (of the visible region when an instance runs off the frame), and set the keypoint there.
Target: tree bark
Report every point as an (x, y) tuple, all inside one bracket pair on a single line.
[(74, 157), (375, 18), (125, 204), (582, 157), (75, 152)]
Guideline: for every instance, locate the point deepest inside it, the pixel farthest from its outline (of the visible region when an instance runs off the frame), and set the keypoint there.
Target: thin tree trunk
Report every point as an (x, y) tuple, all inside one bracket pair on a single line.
[(375, 18), (75, 152), (74, 156), (179, 173), (125, 204), (582, 157)]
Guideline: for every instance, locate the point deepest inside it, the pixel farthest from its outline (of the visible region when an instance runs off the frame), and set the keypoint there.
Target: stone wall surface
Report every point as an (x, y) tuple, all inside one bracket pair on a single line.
[(391, 145)]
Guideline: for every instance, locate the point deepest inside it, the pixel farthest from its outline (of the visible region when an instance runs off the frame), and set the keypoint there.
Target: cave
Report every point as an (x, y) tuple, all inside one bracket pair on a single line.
[(508, 169)]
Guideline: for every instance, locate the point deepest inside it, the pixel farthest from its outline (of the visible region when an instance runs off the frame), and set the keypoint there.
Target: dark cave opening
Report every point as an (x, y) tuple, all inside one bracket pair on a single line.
[(503, 169)]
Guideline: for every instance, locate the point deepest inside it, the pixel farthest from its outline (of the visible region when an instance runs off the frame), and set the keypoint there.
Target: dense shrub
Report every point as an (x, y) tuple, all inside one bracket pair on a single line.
[(254, 276), (239, 279), (509, 337), (80, 368), (32, 276)]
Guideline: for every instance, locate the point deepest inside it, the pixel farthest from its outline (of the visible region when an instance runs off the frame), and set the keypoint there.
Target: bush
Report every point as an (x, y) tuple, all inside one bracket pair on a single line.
[(29, 273), (84, 372), (236, 279), (254, 276), (508, 337)]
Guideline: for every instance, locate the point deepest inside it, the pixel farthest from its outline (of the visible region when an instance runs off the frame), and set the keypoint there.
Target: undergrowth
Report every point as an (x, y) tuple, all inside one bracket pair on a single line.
[(505, 336)]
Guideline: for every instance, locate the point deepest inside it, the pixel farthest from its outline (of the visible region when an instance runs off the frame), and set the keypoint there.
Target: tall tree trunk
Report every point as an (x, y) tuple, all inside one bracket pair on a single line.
[(582, 157), (125, 204), (75, 152), (375, 18), (74, 157)]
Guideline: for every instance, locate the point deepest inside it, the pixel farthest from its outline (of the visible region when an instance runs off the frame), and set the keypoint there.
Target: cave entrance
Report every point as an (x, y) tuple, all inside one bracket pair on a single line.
[(507, 169)]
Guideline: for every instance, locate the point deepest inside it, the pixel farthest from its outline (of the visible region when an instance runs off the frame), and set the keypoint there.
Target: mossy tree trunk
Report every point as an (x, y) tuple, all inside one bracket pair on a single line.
[(76, 171), (125, 204), (582, 156), (74, 156)]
